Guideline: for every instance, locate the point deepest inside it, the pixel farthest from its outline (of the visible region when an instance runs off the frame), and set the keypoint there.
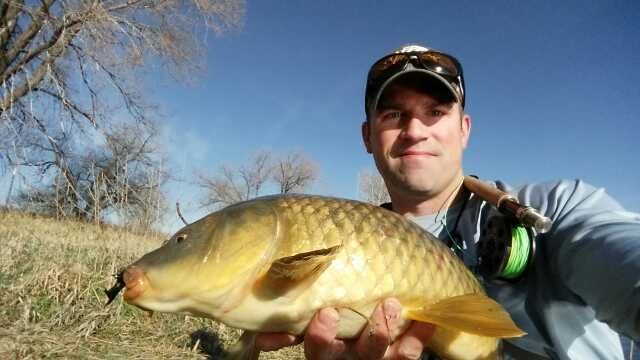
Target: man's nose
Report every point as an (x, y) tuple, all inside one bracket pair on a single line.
[(414, 128)]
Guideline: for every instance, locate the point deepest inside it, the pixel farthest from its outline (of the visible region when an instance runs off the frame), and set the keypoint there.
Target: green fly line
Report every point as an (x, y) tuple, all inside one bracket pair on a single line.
[(519, 254)]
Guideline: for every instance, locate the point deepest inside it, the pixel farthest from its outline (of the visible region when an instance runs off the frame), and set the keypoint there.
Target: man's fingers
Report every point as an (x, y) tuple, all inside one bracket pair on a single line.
[(412, 343), (275, 341), (375, 339), (320, 339)]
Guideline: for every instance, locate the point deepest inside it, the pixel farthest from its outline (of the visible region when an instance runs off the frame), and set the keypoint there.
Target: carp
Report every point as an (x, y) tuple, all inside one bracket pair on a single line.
[(268, 264)]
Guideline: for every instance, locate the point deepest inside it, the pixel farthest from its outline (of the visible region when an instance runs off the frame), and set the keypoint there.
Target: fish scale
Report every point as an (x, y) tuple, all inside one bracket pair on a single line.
[(269, 264), (406, 246)]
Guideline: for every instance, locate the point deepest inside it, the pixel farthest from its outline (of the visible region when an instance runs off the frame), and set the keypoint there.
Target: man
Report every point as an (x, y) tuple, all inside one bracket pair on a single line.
[(584, 284)]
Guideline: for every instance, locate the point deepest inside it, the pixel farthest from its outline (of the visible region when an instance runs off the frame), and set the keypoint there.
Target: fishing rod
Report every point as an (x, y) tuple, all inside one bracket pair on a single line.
[(508, 204)]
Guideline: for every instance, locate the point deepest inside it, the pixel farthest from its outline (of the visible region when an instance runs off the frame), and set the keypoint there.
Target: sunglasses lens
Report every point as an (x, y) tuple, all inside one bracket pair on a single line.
[(439, 63), (385, 64)]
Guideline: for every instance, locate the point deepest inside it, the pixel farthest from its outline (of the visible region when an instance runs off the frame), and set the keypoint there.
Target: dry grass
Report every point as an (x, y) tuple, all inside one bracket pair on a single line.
[(52, 276)]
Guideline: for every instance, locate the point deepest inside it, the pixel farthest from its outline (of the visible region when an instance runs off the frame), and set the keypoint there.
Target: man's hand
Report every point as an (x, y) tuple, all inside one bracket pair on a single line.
[(374, 342)]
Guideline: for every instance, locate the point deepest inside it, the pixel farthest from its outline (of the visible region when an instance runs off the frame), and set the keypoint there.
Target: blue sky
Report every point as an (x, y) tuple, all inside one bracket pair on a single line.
[(552, 88)]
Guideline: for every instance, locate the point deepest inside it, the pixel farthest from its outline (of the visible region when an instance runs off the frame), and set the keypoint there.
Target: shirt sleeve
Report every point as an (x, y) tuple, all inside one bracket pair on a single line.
[(594, 248)]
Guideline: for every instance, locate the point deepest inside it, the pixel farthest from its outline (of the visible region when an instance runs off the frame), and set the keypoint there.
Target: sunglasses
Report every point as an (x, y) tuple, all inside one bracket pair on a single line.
[(446, 66)]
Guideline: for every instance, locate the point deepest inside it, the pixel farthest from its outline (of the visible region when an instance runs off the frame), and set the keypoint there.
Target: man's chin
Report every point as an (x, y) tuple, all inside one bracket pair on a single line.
[(415, 186)]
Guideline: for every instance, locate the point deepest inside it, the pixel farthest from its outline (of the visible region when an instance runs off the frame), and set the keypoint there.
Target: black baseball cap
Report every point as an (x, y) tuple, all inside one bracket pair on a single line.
[(414, 59)]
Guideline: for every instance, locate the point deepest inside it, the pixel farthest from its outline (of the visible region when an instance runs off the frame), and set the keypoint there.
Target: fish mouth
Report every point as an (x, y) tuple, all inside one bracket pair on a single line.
[(139, 292), (135, 281)]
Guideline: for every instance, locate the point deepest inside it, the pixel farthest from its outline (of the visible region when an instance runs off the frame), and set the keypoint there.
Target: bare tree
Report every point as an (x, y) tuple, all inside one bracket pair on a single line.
[(51, 46), (67, 53), (291, 173), (121, 176), (69, 67), (294, 173), (132, 176), (233, 185), (372, 188)]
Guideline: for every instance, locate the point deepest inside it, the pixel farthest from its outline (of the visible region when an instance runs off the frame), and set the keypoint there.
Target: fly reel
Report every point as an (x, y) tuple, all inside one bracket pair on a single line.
[(505, 249)]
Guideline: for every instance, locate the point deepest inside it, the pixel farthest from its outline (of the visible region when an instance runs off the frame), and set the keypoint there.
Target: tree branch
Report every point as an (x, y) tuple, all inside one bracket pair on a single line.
[(8, 20), (57, 40), (37, 76), (68, 104), (21, 43)]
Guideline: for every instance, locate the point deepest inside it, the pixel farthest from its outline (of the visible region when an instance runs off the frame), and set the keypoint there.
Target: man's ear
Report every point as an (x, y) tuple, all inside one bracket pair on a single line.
[(366, 136), (465, 128)]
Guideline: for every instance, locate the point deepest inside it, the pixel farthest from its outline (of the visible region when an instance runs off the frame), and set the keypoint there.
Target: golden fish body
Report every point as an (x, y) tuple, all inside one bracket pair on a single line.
[(269, 264)]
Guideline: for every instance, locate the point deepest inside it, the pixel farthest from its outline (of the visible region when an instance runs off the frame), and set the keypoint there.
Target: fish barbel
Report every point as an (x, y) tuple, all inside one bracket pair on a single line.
[(268, 264)]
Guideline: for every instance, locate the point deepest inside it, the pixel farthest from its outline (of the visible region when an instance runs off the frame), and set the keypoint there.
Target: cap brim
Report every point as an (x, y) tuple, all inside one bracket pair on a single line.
[(414, 71)]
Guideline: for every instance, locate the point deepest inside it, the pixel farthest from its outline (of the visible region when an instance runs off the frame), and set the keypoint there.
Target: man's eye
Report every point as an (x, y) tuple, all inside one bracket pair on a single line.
[(436, 113), (392, 115)]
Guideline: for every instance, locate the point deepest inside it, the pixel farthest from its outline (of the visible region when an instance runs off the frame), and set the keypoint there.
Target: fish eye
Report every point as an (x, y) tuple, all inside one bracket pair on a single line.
[(180, 238)]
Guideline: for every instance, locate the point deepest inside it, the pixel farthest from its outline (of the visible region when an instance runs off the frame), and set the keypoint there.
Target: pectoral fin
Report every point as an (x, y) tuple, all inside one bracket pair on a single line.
[(471, 313), (295, 272), (301, 266)]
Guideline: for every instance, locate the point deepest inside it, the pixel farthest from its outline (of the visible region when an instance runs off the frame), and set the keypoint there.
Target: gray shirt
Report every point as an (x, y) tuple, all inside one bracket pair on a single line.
[(583, 287)]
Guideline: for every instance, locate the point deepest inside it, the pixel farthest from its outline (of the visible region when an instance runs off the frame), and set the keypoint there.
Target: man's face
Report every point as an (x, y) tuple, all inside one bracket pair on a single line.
[(417, 142)]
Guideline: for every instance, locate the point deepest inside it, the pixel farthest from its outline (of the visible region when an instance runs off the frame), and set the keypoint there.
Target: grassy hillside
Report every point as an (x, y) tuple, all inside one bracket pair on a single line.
[(52, 276)]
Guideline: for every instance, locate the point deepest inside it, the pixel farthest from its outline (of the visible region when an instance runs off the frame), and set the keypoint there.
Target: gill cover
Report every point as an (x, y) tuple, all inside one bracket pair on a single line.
[(242, 244)]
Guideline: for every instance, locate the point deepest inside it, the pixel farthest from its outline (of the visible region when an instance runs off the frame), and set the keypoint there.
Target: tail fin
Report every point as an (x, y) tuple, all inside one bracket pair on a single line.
[(472, 313)]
